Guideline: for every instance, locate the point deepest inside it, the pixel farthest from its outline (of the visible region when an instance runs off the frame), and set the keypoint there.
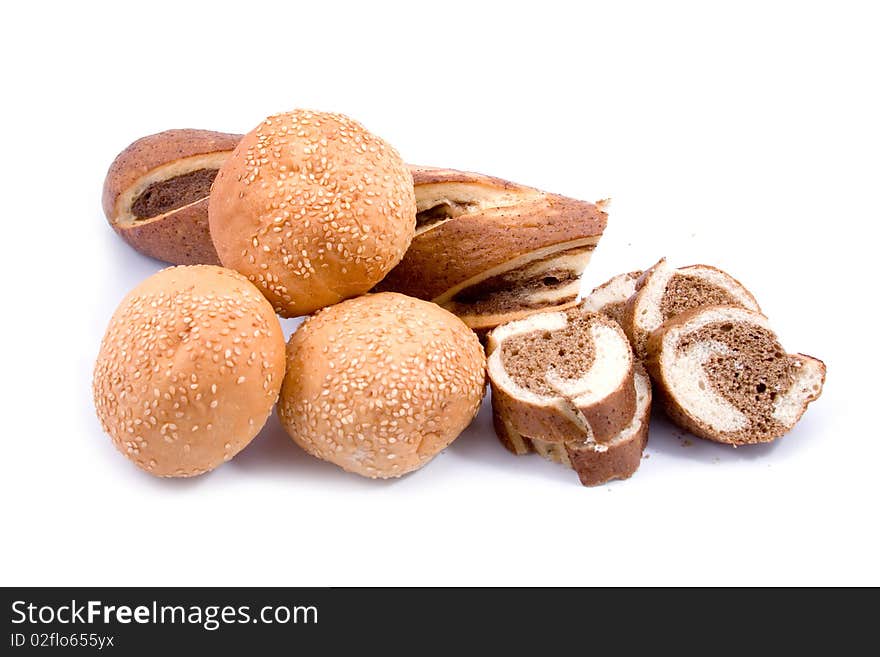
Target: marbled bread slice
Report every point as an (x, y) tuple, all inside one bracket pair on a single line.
[(564, 384), (610, 298), (595, 463), (663, 292), (722, 375)]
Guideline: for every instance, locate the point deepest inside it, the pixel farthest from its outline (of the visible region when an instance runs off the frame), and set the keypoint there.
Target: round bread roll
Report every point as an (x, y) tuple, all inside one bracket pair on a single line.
[(380, 384), (189, 369), (313, 209)]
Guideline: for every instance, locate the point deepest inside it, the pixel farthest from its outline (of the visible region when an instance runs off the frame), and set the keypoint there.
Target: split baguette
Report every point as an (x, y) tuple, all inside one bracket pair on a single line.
[(491, 251)]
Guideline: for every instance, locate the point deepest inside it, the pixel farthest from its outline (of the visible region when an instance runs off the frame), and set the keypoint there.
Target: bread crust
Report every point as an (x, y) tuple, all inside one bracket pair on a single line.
[(676, 412), (618, 460), (554, 425), (638, 337), (180, 236), (380, 384), (313, 208), (189, 369), (460, 251), (562, 421), (429, 175)]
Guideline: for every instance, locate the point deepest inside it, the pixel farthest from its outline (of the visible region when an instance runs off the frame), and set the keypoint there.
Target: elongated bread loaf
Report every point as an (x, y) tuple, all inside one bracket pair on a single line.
[(156, 193), (723, 375), (491, 251), (566, 384), (663, 292)]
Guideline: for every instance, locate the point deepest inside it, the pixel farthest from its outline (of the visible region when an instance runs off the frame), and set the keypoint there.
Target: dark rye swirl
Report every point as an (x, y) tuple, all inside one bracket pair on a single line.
[(156, 193), (491, 251), (721, 373)]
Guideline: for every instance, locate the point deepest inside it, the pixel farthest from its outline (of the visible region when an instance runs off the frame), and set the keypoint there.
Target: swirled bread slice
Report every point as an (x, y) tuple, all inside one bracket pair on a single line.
[(723, 375), (491, 251), (594, 463), (610, 298), (565, 384), (663, 292)]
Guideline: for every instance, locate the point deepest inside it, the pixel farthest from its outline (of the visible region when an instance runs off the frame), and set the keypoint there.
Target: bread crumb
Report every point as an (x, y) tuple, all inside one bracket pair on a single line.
[(646, 456), (687, 443)]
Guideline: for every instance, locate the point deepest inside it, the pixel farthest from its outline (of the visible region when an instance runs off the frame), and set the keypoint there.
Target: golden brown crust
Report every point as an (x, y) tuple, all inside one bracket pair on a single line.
[(427, 175), (380, 384), (459, 252), (313, 209), (551, 424), (606, 418), (152, 151), (180, 236), (466, 246), (618, 460), (189, 370)]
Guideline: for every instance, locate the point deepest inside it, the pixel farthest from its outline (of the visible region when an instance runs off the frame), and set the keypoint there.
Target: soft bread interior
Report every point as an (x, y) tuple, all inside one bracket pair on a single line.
[(566, 360), (544, 322), (440, 201), (544, 277), (125, 216), (611, 297), (697, 285), (691, 387), (725, 368), (610, 366), (809, 377)]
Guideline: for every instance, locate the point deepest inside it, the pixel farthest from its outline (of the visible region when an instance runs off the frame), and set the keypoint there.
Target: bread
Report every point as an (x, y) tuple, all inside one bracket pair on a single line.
[(610, 298), (662, 292), (189, 369), (379, 385), (491, 251), (313, 209), (566, 384), (723, 375), (594, 463), (156, 193)]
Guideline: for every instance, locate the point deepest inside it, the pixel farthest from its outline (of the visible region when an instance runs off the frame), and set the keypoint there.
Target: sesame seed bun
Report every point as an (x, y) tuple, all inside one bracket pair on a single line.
[(188, 370), (380, 384), (313, 209)]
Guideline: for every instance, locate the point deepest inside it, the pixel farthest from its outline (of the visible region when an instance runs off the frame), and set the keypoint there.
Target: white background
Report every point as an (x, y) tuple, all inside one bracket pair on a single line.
[(744, 137)]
